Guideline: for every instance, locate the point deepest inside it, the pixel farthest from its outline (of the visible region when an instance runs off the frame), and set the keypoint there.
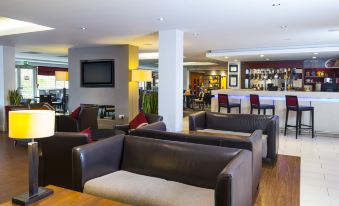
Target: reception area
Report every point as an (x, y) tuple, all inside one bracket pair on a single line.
[(169, 103)]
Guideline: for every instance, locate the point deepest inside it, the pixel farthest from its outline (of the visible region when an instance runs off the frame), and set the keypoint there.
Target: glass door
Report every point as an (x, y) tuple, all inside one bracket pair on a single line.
[(26, 82)]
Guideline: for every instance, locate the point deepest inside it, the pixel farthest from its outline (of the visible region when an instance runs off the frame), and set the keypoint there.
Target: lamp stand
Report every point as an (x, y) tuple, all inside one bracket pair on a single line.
[(35, 192), (64, 99)]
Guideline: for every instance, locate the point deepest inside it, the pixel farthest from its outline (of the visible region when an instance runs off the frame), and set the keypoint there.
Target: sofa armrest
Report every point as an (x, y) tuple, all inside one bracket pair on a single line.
[(272, 132), (123, 127), (234, 183), (158, 126), (197, 121), (66, 123), (95, 160)]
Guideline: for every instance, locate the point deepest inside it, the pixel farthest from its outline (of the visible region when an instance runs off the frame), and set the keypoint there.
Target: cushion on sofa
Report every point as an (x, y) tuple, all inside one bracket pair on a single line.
[(264, 137), (138, 189)]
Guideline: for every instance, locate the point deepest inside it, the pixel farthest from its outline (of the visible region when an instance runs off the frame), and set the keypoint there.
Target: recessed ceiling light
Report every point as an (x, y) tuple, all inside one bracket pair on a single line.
[(261, 55), (160, 19), (235, 60), (283, 27), (83, 28), (226, 57), (276, 4), (267, 59), (11, 26), (314, 57), (315, 53)]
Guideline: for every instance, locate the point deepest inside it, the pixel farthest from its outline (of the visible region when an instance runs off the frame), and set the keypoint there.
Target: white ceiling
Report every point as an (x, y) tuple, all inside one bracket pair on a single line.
[(208, 24)]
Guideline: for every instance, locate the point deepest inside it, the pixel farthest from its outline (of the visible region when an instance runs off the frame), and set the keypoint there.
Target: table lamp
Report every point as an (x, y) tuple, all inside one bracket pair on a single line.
[(31, 124), (62, 76)]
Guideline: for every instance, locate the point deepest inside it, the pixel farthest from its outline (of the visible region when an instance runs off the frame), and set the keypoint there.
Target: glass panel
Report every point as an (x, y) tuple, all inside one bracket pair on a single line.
[(27, 83)]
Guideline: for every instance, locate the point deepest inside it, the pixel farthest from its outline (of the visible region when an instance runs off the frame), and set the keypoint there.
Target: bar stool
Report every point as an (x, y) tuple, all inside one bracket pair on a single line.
[(255, 104), (293, 105), (223, 102)]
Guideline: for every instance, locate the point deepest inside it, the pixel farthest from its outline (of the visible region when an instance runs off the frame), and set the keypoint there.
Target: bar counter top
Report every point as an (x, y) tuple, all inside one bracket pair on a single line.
[(326, 106)]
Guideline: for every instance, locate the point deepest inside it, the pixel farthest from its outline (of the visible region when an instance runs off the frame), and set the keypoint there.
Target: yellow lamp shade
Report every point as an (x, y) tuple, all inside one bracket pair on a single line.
[(139, 75), (31, 124), (61, 76)]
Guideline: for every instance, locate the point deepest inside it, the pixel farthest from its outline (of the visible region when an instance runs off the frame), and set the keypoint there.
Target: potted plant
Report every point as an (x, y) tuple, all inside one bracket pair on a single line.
[(14, 98), (150, 102)]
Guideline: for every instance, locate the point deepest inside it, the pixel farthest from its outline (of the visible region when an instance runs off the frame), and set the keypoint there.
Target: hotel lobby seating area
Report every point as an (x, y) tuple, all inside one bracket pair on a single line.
[(169, 103)]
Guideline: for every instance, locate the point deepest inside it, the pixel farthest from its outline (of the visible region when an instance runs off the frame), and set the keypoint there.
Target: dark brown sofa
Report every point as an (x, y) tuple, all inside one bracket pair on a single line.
[(151, 118), (224, 171), (252, 143), (245, 123)]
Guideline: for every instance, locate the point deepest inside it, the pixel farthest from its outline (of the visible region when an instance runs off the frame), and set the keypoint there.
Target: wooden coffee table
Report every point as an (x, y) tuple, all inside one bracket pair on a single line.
[(67, 197)]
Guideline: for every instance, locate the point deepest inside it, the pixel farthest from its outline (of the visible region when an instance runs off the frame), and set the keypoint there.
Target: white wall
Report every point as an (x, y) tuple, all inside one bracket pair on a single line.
[(119, 95), (7, 79)]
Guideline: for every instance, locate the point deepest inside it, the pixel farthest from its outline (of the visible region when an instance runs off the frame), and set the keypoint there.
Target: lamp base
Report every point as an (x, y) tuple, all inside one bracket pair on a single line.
[(25, 199)]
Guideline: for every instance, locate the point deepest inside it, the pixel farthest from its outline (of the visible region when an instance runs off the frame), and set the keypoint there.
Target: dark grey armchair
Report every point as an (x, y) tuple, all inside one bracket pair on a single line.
[(151, 118), (88, 117)]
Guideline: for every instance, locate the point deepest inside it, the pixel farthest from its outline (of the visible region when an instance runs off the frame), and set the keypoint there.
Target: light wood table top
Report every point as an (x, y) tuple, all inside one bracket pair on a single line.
[(62, 197), (226, 135)]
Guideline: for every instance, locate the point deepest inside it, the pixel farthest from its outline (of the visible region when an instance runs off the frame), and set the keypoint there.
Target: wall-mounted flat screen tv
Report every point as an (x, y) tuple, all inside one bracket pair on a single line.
[(97, 73)]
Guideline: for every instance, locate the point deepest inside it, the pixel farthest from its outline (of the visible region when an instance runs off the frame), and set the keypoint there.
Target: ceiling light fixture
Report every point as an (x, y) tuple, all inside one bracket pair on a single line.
[(314, 57), (261, 55), (160, 19), (83, 28), (267, 59), (315, 53), (235, 60), (226, 57), (11, 26)]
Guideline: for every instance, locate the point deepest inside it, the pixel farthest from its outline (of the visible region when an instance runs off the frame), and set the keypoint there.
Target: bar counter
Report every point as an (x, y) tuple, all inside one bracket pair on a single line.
[(326, 106)]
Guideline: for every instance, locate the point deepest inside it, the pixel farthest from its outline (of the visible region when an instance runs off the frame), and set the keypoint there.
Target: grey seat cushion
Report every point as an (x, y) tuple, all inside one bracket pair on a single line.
[(144, 190), (264, 137)]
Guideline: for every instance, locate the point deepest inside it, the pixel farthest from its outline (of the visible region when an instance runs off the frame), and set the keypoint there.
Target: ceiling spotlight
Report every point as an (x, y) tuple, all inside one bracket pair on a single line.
[(83, 28), (261, 55), (267, 59), (314, 57), (235, 60), (226, 57), (315, 53), (283, 27), (160, 19), (276, 4)]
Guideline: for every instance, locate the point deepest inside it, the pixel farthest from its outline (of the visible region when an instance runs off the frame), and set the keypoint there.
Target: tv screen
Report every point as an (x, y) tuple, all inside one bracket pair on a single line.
[(97, 73)]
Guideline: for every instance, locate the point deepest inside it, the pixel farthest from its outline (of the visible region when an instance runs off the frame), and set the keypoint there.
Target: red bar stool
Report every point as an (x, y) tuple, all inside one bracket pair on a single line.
[(293, 105), (223, 102), (255, 104)]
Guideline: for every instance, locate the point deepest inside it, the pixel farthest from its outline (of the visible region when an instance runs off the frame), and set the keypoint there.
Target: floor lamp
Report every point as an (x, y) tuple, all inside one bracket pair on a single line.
[(31, 124), (62, 76), (139, 75)]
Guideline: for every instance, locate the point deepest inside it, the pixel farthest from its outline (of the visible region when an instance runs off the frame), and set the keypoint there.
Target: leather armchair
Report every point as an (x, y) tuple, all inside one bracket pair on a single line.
[(151, 118), (55, 164), (225, 170), (88, 117), (246, 123)]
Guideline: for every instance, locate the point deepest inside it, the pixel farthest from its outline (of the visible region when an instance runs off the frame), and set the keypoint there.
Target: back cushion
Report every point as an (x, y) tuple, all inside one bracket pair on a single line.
[(237, 122), (188, 163)]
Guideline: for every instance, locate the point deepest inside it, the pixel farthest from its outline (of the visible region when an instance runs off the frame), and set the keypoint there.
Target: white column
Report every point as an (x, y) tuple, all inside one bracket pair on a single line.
[(171, 78), (7, 79)]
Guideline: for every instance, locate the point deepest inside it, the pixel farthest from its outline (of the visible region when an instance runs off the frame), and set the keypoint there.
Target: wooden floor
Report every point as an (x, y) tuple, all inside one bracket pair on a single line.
[(279, 186)]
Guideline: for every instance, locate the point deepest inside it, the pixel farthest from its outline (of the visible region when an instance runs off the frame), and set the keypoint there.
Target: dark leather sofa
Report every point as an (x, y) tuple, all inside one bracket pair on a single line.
[(227, 171), (55, 161), (245, 123), (252, 143), (151, 118)]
